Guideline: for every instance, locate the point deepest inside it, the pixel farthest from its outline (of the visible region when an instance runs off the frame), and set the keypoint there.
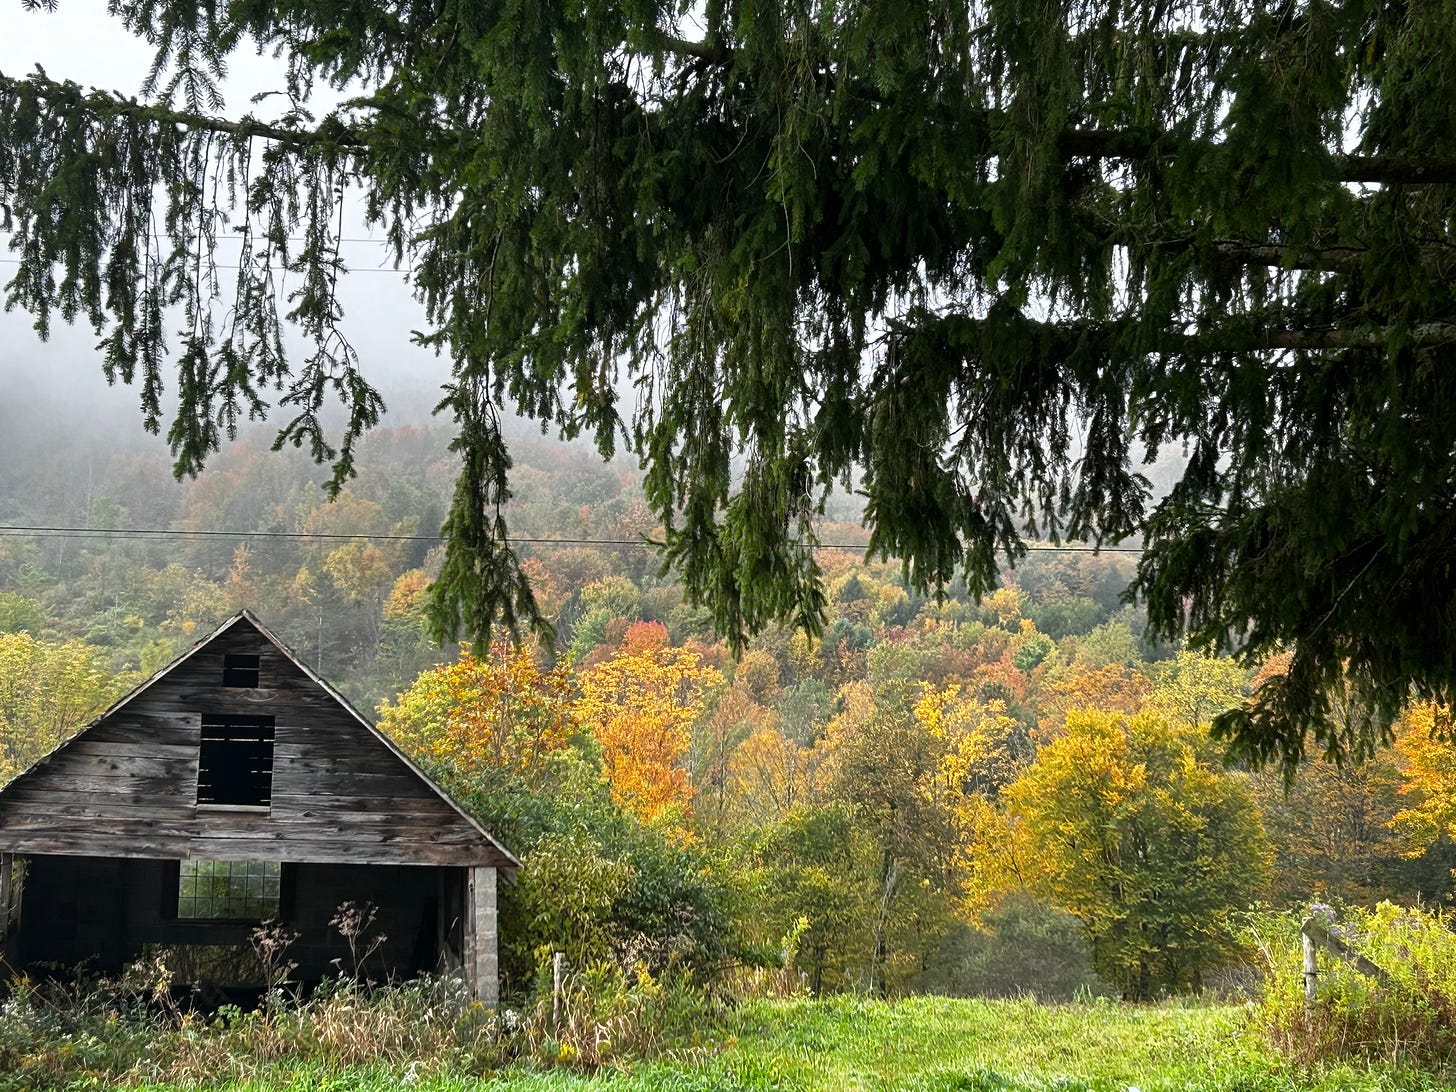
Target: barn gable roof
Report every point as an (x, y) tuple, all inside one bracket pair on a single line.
[(127, 784)]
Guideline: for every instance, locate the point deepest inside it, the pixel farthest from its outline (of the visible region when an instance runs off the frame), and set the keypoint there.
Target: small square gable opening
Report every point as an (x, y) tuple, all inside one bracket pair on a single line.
[(240, 670), (235, 761)]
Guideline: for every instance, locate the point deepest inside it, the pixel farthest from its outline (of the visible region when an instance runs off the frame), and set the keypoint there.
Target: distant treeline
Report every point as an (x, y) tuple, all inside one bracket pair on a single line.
[(938, 794)]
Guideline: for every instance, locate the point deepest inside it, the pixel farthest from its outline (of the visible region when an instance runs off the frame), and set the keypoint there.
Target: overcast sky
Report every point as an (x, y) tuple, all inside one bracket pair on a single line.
[(81, 42)]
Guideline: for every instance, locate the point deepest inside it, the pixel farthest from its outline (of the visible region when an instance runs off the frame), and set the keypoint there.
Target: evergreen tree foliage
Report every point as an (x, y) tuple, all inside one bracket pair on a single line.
[(978, 258)]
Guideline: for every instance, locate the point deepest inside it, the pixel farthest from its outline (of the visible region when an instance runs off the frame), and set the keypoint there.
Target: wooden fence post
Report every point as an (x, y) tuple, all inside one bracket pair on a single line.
[(1316, 934), (558, 974), (1311, 971)]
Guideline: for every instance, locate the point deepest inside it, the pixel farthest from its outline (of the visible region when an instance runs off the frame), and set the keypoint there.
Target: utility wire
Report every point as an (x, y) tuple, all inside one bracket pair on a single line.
[(22, 531)]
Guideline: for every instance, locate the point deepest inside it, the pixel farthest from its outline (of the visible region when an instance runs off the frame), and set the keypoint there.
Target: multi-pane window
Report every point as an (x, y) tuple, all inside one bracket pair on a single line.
[(236, 890), (235, 761), (240, 670)]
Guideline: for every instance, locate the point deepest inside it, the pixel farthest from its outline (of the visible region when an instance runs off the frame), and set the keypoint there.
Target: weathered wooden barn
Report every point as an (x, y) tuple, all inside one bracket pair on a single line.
[(236, 786)]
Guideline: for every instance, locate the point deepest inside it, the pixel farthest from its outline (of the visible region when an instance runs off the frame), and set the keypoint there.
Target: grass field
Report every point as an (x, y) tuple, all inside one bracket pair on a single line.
[(921, 1044)]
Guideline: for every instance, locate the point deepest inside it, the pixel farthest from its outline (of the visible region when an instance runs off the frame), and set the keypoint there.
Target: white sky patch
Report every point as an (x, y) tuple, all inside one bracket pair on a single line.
[(82, 43)]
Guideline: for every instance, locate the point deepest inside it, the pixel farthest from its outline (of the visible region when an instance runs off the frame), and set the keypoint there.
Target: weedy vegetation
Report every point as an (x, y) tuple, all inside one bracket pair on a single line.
[(1408, 1016), (614, 1031)]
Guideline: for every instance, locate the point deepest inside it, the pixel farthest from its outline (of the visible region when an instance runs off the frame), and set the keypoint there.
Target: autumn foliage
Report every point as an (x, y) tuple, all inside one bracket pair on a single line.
[(640, 705), (497, 711), (47, 692), (893, 804)]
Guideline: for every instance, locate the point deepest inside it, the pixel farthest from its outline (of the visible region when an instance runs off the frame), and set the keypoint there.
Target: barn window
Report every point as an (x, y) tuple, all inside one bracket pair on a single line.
[(239, 669), (235, 761), (228, 890)]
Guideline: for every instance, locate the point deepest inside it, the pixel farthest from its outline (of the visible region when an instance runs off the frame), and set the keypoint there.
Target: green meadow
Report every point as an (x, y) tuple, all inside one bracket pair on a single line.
[(849, 1044)]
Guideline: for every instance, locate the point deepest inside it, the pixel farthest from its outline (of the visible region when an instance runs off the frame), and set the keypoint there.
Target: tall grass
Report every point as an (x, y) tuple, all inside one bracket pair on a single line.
[(619, 1032), (104, 1033)]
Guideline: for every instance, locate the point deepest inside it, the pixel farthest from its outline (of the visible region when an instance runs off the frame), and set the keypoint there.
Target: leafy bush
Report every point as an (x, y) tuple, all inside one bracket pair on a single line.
[(625, 893), (1026, 947), (597, 882), (1411, 1018)]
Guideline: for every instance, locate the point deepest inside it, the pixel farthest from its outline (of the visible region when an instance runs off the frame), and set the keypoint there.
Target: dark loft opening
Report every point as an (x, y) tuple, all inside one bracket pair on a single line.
[(240, 669), (235, 761)]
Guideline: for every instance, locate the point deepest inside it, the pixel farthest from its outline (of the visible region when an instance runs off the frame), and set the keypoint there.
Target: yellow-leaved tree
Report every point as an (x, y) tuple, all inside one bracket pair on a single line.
[(1428, 785), (499, 711), (1134, 829), (48, 691), (640, 706), (984, 749)]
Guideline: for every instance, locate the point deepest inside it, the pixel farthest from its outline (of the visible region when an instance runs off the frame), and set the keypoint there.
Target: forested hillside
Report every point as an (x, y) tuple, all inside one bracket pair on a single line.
[(936, 796)]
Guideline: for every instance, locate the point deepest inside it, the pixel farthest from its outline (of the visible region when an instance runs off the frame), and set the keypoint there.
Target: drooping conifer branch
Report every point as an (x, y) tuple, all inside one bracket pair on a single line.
[(105, 106), (1091, 143), (589, 199), (128, 201), (1066, 338), (1095, 142)]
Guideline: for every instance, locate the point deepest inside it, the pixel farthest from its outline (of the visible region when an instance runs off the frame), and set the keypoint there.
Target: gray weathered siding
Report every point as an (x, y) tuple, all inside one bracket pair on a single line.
[(126, 787)]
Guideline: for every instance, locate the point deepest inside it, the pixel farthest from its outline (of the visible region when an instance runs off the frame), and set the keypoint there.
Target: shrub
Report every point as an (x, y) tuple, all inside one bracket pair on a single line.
[(1026, 947), (605, 1015), (620, 891)]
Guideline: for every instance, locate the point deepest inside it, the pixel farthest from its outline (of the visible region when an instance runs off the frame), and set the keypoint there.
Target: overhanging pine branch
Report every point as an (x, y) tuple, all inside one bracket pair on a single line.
[(1110, 144), (1318, 258), (1424, 335), (1321, 259), (106, 106), (1065, 337), (1122, 144), (700, 51), (1126, 144)]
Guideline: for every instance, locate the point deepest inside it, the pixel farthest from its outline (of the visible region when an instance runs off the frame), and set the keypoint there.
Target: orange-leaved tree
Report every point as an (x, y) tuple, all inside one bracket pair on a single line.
[(640, 705), (500, 711)]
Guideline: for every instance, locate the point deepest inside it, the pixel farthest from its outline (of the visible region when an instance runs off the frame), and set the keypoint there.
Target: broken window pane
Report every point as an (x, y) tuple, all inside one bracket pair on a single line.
[(246, 890)]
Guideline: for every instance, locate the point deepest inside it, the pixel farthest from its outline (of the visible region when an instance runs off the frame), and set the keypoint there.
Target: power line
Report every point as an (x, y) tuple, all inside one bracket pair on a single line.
[(23, 531)]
